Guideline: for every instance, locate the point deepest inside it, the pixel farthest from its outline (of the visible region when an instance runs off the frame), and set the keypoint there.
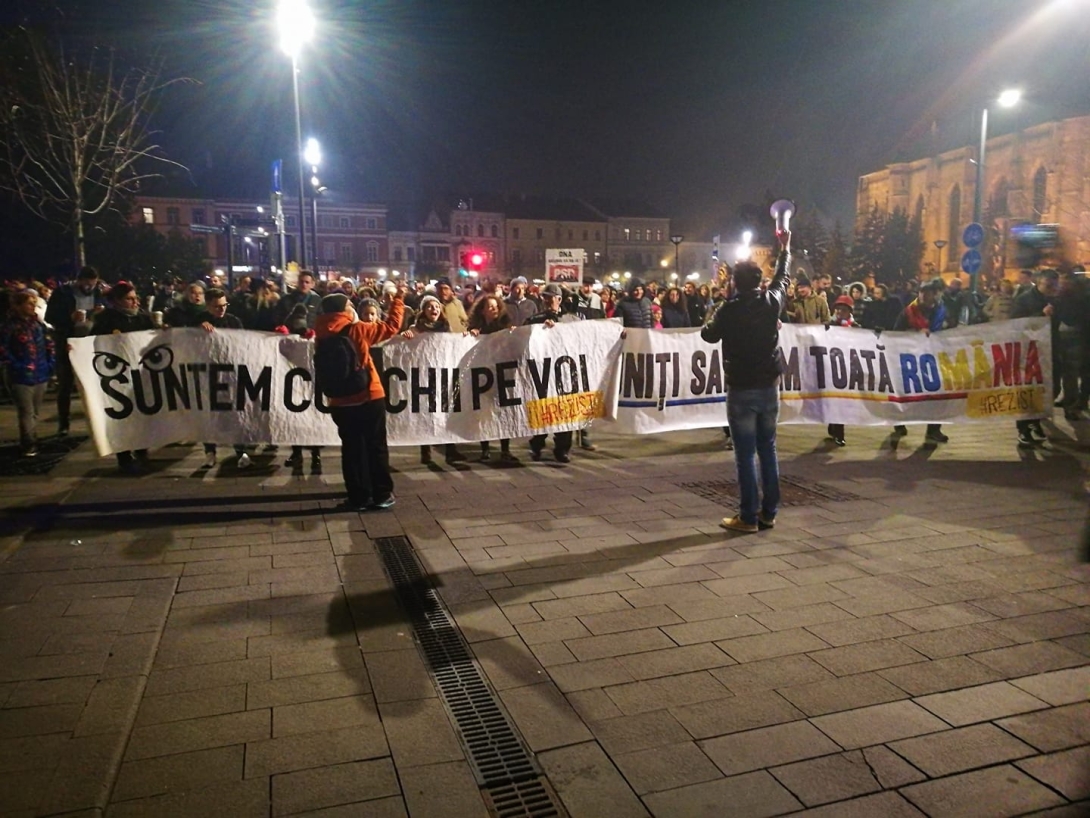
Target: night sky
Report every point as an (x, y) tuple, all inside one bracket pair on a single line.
[(693, 107)]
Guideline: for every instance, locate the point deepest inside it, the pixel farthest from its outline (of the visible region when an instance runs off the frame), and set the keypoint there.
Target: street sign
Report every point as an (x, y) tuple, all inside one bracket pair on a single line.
[(971, 261), (973, 235), (204, 228)]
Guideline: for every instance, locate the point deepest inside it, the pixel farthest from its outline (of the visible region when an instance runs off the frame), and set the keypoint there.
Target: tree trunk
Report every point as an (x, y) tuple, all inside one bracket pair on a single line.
[(80, 256)]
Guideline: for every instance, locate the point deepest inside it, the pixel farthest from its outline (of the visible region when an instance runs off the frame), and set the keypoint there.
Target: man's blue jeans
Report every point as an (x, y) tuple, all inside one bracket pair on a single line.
[(752, 415)]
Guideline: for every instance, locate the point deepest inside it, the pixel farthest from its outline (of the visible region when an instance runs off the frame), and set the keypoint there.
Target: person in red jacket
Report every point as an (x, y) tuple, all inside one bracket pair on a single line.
[(361, 418)]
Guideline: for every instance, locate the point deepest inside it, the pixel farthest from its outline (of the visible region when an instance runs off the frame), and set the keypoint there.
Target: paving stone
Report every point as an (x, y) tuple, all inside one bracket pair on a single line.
[(955, 641), (888, 602), (889, 768), (178, 773), (675, 660), (292, 719), (198, 734), (1059, 686), (1055, 729), (619, 644), (33, 721), (399, 675), (865, 629), (845, 693), (299, 689), (1022, 604), (552, 630), (1026, 660), (831, 778), (318, 749), (596, 705), (748, 584), (664, 768), (36, 692), (754, 565), (801, 617), (549, 654), (754, 795), (1035, 627), (853, 659), (954, 751), (508, 663), (805, 595), (769, 674), (697, 608), (1068, 771), (767, 747), (769, 645), (221, 674), (885, 804), (544, 717), (244, 799), (878, 724), (443, 791), (746, 712), (628, 620), (331, 786), (580, 605), (193, 704), (631, 733), (587, 675), (710, 630), (922, 678), (977, 793), (419, 733), (111, 707), (588, 784), (654, 694), (983, 703)]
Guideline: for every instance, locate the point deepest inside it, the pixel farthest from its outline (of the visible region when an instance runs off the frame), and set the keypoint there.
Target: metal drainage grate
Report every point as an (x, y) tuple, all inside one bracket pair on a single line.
[(793, 492), (502, 764)]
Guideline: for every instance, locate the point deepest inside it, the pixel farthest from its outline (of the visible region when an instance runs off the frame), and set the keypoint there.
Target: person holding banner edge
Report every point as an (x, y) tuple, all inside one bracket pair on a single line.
[(747, 327), (361, 418)]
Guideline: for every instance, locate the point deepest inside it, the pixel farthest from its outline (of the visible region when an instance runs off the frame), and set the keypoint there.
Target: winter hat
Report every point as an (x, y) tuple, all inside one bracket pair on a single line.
[(552, 289), (845, 301), (427, 298), (334, 302), (633, 284), (802, 281), (369, 302), (519, 280), (443, 281), (389, 288)]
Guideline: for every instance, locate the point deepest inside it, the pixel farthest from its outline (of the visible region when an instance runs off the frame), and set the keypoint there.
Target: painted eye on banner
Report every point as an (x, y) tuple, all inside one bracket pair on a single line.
[(108, 365), (157, 358)]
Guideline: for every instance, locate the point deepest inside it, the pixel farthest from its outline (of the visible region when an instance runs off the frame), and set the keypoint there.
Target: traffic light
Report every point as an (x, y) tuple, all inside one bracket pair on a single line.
[(476, 261)]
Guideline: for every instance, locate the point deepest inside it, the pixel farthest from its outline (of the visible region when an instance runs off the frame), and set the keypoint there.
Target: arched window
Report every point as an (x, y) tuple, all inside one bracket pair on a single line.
[(480, 230), (919, 209), (954, 214), (1040, 188), (997, 205), (495, 231)]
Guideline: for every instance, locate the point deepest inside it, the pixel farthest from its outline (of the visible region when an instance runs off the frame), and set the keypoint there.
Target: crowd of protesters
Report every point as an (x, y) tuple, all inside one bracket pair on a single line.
[(39, 320)]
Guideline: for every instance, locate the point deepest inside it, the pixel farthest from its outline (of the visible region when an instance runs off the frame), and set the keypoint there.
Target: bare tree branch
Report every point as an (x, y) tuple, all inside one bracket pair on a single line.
[(75, 134)]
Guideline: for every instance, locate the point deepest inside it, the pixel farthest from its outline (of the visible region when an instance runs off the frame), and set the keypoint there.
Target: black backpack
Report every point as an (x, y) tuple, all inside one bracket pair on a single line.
[(338, 370)]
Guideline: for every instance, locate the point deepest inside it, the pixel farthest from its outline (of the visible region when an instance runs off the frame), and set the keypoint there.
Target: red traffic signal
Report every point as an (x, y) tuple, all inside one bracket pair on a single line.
[(476, 261)]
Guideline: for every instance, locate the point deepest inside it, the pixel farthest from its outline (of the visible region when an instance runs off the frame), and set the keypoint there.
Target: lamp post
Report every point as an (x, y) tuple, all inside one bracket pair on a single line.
[(1007, 99), (939, 244), (295, 22), (676, 240), (313, 156)]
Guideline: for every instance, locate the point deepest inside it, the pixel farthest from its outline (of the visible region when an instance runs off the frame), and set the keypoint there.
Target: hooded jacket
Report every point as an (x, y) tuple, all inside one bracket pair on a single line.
[(633, 312), (363, 335), (748, 328)]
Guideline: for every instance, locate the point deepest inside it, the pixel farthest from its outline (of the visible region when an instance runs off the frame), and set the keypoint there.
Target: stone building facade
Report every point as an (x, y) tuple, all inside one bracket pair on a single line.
[(1038, 176)]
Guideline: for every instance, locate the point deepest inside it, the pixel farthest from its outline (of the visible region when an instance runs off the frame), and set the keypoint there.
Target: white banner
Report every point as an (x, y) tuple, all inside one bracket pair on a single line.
[(148, 389), (671, 379)]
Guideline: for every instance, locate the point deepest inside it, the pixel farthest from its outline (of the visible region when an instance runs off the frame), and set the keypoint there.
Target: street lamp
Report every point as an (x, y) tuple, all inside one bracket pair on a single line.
[(295, 22), (939, 244), (1007, 99), (676, 240)]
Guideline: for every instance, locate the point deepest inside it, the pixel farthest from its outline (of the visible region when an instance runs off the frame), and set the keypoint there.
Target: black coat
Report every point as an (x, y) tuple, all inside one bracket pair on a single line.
[(634, 313), (112, 320)]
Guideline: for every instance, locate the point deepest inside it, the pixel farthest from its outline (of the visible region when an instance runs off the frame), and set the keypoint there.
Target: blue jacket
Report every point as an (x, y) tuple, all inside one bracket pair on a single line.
[(26, 351)]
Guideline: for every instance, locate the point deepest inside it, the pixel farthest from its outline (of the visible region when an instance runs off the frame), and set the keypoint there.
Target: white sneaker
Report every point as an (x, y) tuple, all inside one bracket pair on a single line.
[(244, 461), (210, 460)]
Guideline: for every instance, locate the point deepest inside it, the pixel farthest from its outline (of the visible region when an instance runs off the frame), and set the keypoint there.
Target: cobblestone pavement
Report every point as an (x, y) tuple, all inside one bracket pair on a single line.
[(226, 643)]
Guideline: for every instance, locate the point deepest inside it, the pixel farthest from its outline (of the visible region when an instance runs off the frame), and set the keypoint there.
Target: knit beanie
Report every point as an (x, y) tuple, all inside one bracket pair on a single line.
[(334, 302)]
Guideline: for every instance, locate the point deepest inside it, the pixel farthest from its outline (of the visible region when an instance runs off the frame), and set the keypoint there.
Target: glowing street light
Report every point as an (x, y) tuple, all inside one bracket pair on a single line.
[(295, 23), (1007, 99)]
